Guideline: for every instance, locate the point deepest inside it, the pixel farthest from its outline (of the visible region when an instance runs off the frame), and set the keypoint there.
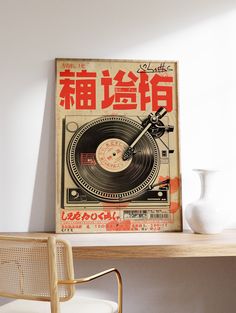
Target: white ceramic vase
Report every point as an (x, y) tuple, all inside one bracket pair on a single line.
[(205, 215)]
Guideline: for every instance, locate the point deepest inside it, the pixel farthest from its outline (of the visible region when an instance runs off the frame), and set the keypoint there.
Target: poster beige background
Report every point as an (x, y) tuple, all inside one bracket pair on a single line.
[(74, 108), (200, 34)]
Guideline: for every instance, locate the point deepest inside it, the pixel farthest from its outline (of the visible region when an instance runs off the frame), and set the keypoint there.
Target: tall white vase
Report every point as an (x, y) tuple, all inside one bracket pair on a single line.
[(205, 215)]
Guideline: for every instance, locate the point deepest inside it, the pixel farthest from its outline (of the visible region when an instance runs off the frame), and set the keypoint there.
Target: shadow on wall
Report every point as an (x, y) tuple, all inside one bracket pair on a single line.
[(43, 201), (126, 24), (111, 27)]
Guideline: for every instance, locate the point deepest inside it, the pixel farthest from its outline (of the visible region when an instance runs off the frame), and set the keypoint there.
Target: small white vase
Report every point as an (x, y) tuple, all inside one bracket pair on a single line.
[(205, 216)]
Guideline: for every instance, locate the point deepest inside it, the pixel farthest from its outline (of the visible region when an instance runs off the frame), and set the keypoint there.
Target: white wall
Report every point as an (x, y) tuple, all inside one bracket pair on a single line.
[(200, 34)]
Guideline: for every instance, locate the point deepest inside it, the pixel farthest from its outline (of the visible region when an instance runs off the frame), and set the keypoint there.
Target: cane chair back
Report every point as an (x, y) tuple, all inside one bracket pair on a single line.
[(26, 265)]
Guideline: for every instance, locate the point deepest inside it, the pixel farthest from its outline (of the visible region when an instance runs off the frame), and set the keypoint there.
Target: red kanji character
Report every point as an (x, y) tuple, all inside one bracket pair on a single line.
[(63, 215), (143, 89), (70, 216), (124, 92), (94, 216), (108, 216), (68, 89), (106, 81), (85, 216), (161, 94), (101, 216), (86, 91), (77, 216)]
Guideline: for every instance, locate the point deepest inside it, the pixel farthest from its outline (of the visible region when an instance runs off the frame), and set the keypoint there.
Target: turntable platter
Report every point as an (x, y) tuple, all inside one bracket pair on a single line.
[(94, 159)]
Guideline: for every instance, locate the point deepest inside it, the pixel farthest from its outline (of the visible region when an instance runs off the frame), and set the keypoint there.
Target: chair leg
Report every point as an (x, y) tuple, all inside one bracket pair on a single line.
[(55, 306)]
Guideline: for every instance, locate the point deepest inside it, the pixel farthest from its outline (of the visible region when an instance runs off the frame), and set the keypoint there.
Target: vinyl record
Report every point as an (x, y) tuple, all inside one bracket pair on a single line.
[(94, 159)]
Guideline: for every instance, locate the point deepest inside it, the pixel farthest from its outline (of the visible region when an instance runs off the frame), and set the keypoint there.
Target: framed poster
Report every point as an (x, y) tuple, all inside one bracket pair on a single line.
[(117, 151)]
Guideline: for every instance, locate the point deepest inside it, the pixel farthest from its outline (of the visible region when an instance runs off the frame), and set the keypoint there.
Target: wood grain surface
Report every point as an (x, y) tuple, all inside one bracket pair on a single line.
[(146, 245)]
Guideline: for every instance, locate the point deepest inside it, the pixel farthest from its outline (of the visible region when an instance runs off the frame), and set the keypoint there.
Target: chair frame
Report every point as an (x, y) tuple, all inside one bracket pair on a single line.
[(53, 279)]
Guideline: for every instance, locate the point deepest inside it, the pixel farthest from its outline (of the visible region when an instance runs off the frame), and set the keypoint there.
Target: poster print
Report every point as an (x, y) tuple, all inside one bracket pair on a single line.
[(117, 156)]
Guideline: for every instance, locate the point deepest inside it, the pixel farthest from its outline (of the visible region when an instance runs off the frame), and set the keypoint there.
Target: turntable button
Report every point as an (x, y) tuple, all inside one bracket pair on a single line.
[(72, 127), (74, 193), (160, 193)]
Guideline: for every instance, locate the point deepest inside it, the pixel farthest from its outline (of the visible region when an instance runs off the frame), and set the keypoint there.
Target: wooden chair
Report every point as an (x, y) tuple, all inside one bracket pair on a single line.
[(41, 270)]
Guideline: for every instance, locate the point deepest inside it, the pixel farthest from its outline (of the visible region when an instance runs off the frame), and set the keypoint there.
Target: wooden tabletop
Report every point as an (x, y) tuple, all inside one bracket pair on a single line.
[(147, 245)]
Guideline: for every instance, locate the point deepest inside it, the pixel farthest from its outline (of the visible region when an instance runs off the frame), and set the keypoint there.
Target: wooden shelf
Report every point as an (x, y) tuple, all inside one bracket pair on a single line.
[(147, 245)]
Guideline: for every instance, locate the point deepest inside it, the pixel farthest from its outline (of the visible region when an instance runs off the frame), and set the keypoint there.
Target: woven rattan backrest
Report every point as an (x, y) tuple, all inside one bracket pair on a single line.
[(24, 268)]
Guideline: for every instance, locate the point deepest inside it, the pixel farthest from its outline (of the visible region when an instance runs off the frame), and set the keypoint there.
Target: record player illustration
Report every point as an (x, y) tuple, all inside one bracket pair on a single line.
[(116, 159)]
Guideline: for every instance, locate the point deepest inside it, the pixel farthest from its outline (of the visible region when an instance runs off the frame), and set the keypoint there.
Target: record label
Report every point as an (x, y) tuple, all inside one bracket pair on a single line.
[(109, 155)]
